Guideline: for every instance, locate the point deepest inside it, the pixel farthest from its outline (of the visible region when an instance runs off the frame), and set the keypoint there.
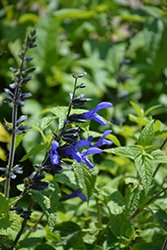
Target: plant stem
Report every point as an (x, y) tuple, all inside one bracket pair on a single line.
[(148, 202), (164, 245), (163, 144), (98, 213), (24, 222), (12, 148), (34, 226)]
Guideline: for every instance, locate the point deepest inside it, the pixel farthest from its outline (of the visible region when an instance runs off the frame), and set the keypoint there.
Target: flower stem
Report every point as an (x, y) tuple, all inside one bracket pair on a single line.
[(98, 212), (164, 245)]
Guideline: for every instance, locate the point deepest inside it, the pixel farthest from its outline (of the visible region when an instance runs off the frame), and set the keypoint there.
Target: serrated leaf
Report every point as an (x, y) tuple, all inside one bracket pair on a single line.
[(48, 201), (159, 156), (130, 152), (10, 224), (138, 110), (145, 169), (29, 242), (133, 198), (6, 204), (67, 177), (147, 135), (86, 177), (33, 151)]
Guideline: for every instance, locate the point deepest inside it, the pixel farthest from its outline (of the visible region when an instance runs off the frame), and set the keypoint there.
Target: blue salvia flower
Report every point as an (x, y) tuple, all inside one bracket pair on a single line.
[(77, 193), (53, 153), (93, 115), (102, 141), (73, 152)]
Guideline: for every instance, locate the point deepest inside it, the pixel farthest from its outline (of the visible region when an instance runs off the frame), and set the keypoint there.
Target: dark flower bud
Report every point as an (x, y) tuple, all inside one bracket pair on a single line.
[(74, 75), (28, 59), (30, 70), (10, 99), (75, 118), (25, 96), (80, 100), (69, 140), (83, 74), (72, 130), (21, 119), (13, 85), (27, 79), (9, 92), (124, 61), (81, 86), (13, 70), (33, 32), (20, 103)]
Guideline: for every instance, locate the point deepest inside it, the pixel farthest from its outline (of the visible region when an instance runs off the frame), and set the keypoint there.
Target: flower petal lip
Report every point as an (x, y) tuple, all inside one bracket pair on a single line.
[(103, 141), (53, 153), (93, 115)]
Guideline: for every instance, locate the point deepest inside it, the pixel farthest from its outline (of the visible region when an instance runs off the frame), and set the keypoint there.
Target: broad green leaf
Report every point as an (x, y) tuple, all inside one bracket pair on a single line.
[(66, 228), (146, 246), (44, 246), (144, 165), (159, 156), (147, 135), (133, 198), (29, 242), (6, 204), (130, 152), (67, 177), (139, 111), (161, 216), (86, 177), (33, 151), (151, 148), (48, 200), (140, 121), (10, 224)]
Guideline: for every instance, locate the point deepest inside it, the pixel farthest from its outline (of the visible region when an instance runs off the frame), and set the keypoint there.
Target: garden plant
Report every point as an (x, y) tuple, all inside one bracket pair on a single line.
[(83, 125)]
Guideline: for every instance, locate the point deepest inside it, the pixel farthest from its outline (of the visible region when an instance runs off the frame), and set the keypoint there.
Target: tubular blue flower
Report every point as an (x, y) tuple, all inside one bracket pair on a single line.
[(103, 141), (93, 115), (77, 193), (73, 152), (53, 153)]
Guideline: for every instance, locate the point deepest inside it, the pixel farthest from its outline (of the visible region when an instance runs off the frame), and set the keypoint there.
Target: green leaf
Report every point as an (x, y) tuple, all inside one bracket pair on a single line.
[(138, 110), (161, 216), (86, 177), (159, 156), (73, 14), (44, 246), (152, 108), (6, 204), (67, 177), (29, 242), (133, 197), (130, 152), (66, 228), (33, 151), (10, 224), (48, 200), (140, 121), (144, 165), (147, 135), (146, 246)]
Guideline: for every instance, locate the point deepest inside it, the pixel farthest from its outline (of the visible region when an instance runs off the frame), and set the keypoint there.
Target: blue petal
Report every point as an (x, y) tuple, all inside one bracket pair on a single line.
[(53, 153), (92, 150), (103, 141), (81, 143), (88, 163)]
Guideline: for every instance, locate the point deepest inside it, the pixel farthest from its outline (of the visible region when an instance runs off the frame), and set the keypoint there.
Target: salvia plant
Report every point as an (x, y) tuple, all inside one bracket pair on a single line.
[(110, 213)]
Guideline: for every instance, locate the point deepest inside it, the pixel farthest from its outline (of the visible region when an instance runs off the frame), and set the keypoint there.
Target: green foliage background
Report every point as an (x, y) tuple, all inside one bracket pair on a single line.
[(94, 36)]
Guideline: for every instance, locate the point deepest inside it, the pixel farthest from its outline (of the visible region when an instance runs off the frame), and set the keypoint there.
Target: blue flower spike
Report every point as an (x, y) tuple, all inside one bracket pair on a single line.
[(77, 193), (93, 115), (53, 153)]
